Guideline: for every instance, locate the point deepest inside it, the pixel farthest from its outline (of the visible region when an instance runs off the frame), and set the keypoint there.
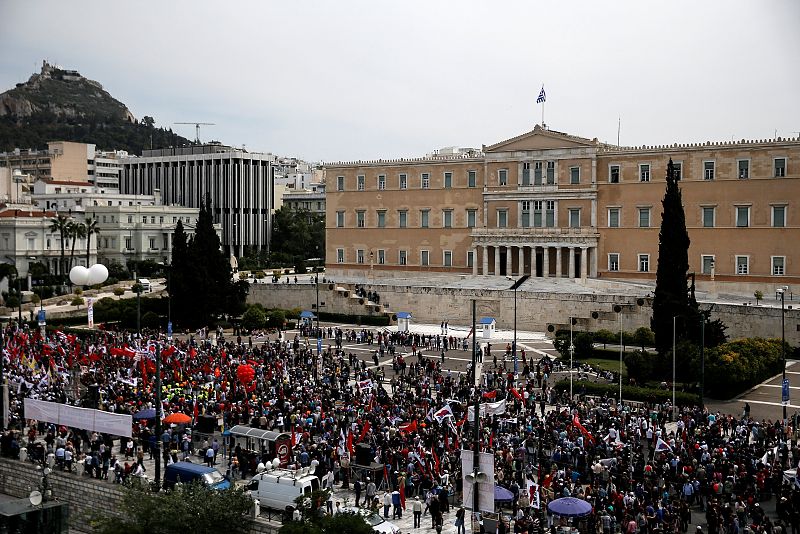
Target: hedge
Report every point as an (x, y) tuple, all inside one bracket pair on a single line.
[(628, 392)]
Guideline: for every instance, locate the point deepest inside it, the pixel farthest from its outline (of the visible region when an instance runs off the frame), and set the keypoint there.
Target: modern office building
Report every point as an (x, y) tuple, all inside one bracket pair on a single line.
[(550, 204), (240, 185)]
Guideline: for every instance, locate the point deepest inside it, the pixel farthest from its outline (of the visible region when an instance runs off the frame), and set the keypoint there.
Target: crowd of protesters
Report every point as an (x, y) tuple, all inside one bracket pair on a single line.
[(643, 468)]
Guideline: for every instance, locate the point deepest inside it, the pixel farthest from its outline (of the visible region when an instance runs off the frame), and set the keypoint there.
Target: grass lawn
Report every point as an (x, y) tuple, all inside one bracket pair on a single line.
[(607, 365)]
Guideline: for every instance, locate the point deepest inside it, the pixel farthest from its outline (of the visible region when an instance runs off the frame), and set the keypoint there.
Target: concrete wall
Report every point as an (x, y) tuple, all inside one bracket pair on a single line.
[(84, 495), (535, 311)]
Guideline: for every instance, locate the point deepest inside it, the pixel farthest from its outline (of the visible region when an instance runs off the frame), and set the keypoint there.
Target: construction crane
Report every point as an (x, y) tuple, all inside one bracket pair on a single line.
[(197, 126)]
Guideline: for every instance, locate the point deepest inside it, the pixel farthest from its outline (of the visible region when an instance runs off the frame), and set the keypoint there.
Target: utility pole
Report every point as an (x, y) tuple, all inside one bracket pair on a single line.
[(476, 444)]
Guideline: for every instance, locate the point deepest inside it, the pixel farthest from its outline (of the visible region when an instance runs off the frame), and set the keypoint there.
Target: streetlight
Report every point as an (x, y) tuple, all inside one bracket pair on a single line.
[(515, 286), (319, 332), (618, 310), (782, 292), (168, 268), (571, 354)]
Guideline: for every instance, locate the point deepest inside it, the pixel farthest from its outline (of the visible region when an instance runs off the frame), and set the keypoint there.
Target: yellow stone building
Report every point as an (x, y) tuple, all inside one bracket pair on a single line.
[(549, 204)]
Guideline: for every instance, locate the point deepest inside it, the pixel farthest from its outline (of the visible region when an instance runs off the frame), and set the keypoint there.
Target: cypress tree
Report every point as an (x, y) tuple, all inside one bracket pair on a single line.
[(671, 294)]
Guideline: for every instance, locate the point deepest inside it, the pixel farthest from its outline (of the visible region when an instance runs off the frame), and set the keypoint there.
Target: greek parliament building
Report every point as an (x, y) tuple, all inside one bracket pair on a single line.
[(240, 184), (549, 204)]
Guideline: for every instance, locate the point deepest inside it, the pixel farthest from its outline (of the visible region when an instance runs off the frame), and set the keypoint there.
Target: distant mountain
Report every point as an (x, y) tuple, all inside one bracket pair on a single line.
[(61, 105)]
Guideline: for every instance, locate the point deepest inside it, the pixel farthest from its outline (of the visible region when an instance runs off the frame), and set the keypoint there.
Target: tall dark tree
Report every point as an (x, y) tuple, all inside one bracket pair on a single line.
[(180, 278), (202, 276), (672, 295)]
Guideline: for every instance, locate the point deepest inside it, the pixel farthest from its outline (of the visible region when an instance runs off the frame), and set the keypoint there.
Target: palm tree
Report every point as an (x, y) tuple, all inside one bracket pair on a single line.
[(60, 224), (91, 228), (76, 231)]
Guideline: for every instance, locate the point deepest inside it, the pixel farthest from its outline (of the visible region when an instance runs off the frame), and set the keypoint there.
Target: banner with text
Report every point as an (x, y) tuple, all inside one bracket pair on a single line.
[(72, 416)]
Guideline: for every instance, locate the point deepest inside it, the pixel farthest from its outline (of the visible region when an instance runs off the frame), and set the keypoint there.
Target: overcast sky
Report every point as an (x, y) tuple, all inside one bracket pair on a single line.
[(341, 80)]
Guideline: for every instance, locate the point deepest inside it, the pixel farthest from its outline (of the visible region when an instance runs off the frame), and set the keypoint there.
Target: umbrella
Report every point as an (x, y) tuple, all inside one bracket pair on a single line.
[(570, 507), (178, 418), (502, 494), (147, 413)]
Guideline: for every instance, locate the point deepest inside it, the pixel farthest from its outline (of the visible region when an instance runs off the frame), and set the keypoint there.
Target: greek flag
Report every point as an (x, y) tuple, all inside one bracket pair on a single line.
[(541, 96)]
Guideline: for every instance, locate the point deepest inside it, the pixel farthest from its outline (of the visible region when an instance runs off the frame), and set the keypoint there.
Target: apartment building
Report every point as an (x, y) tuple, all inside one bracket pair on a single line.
[(550, 204), (67, 161)]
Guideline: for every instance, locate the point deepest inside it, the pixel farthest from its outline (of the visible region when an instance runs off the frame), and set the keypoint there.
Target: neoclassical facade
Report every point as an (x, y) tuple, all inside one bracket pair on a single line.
[(549, 204)]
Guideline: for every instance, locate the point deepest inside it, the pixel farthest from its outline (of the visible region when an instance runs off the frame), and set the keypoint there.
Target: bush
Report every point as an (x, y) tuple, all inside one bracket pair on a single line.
[(738, 365), (77, 301), (632, 393), (644, 337), (275, 318), (640, 365), (78, 291), (12, 302), (35, 299), (243, 276), (260, 274), (119, 291), (254, 318)]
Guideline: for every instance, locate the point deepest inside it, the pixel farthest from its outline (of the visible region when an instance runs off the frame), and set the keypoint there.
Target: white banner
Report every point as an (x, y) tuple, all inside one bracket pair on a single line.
[(90, 311), (488, 408), (86, 418)]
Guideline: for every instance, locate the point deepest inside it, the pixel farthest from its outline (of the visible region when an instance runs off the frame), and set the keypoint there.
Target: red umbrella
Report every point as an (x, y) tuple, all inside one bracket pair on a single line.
[(178, 418)]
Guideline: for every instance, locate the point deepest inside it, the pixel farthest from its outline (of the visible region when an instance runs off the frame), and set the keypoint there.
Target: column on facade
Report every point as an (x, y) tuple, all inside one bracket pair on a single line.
[(593, 254), (533, 260), (474, 261), (496, 260), (546, 262), (584, 262), (520, 261), (485, 260), (571, 273), (509, 260), (558, 262)]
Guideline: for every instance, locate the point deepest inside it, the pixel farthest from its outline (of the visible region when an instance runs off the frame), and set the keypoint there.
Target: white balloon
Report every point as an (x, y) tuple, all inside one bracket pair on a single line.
[(79, 275), (98, 274)]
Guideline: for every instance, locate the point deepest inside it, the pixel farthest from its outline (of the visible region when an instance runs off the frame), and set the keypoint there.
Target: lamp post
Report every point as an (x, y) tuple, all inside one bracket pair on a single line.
[(517, 283), (3, 418), (782, 292), (168, 267), (572, 355)]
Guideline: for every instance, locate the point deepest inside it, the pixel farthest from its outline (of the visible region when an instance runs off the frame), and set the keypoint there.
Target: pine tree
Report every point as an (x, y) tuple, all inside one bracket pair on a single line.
[(671, 294)]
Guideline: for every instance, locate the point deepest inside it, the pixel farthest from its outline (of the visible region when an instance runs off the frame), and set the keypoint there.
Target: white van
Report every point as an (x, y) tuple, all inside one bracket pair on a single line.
[(278, 488), (145, 283)]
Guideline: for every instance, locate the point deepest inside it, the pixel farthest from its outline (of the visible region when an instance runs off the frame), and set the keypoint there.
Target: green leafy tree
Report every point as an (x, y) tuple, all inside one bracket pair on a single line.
[(671, 294), (639, 365), (644, 337), (296, 236), (313, 521), (194, 508)]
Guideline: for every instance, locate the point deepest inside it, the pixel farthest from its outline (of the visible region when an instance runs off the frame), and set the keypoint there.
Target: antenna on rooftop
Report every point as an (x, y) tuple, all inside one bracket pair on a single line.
[(197, 128)]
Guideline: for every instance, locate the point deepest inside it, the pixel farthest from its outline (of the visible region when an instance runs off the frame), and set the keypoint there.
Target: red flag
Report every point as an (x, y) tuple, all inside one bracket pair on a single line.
[(435, 460), (350, 443), (196, 410), (363, 432), (408, 427), (169, 351), (577, 423), (516, 393), (490, 394), (192, 352)]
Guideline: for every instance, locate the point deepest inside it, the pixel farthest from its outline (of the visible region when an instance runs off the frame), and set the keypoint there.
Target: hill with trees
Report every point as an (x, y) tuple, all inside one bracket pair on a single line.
[(61, 105)]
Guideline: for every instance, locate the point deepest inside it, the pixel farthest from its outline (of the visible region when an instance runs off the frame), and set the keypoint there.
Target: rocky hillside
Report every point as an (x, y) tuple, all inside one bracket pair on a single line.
[(61, 105)]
